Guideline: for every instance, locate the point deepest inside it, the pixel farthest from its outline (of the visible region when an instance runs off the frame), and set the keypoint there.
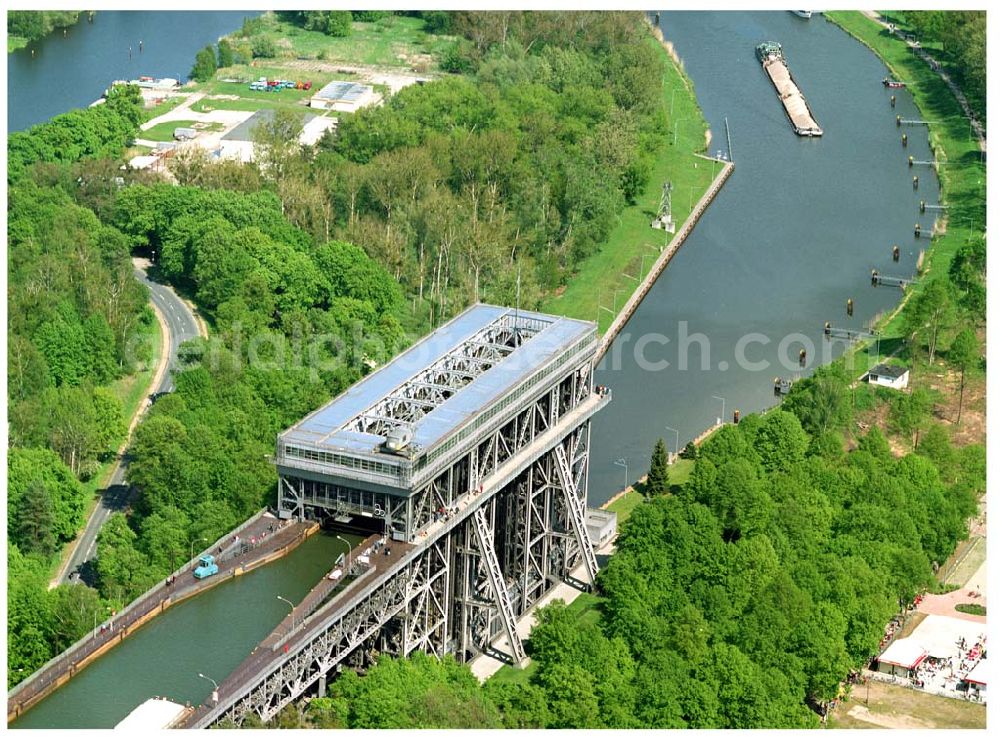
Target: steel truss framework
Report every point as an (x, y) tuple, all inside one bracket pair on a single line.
[(437, 383), (405, 516), (462, 590)]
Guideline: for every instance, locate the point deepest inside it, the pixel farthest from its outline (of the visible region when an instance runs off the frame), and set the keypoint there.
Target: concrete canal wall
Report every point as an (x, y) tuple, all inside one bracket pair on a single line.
[(154, 602), (632, 304)]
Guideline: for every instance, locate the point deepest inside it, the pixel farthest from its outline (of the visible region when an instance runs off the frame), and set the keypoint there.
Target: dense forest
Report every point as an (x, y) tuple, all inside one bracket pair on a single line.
[(519, 165)]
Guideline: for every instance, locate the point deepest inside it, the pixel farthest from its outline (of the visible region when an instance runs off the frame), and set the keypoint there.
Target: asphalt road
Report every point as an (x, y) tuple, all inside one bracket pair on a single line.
[(181, 326)]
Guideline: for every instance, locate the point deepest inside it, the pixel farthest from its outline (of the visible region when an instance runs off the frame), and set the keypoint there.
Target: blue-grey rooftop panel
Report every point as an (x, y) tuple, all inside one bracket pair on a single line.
[(347, 422)]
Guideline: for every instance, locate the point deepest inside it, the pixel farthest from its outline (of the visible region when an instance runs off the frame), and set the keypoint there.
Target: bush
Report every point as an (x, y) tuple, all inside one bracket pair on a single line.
[(204, 65), (263, 46), (978, 609)]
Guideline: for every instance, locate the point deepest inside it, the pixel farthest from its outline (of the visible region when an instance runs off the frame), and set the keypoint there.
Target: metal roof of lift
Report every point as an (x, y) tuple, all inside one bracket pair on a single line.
[(477, 357)]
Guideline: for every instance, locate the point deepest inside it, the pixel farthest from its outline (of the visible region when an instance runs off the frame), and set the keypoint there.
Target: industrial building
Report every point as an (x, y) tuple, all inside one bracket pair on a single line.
[(344, 96), (466, 458), (238, 143)]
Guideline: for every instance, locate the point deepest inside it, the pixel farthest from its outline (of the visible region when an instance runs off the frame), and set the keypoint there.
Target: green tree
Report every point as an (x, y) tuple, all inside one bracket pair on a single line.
[(72, 608), (204, 65), (338, 23), (909, 413), (964, 353), (781, 441), (657, 482), (35, 520), (225, 53)]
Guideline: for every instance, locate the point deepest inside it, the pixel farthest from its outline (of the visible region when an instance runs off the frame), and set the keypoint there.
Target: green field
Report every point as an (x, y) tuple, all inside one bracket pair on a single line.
[(633, 245), (165, 131), (963, 178), (394, 41)]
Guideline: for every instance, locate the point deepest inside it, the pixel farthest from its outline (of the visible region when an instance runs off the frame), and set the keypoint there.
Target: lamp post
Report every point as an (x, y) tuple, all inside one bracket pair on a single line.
[(191, 546), (215, 689), (293, 609), (623, 462), (722, 419), (677, 439), (347, 565)]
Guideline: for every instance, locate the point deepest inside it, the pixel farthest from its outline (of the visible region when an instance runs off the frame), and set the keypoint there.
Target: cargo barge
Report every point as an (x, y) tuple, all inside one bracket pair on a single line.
[(799, 115)]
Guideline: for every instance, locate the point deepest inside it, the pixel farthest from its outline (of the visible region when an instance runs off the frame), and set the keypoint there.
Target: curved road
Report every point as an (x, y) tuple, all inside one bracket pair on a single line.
[(181, 325)]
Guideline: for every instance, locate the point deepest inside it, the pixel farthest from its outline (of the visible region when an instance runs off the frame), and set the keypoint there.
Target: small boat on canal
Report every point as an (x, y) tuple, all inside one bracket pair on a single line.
[(892, 83)]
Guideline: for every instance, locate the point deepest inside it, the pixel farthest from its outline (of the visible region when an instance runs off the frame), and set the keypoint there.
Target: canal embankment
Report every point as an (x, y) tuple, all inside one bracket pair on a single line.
[(954, 143), (262, 539), (602, 279), (661, 262)]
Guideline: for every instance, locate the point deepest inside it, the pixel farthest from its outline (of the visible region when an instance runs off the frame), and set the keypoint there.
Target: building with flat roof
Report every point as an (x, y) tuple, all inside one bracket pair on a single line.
[(344, 96), (238, 143), (405, 423)]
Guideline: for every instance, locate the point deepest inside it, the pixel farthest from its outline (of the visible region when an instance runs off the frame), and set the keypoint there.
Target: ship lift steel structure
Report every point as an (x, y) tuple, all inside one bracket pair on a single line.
[(513, 494)]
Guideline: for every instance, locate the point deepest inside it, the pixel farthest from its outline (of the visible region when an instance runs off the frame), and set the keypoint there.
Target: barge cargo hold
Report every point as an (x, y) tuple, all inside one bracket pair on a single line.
[(773, 61)]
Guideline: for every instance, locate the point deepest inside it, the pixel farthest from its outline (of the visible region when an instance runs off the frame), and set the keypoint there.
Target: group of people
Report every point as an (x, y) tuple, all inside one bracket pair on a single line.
[(946, 675)]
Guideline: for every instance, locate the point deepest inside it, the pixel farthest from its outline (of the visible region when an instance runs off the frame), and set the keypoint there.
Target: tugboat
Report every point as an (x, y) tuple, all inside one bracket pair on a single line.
[(892, 83)]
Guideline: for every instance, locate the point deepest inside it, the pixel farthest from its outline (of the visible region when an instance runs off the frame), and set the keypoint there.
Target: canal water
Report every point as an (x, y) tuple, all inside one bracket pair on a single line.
[(794, 233), (211, 634), (72, 71)]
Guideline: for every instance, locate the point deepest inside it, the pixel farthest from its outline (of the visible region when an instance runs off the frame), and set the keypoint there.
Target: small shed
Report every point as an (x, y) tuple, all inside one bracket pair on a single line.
[(602, 526), (902, 657), (890, 376), (344, 96)]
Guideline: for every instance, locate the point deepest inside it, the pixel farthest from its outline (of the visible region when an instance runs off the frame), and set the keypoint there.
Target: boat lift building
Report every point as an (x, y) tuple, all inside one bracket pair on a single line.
[(469, 452)]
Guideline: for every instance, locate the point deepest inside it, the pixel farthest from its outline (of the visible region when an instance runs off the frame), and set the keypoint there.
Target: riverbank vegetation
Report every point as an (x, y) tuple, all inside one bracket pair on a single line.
[(957, 39), (497, 183), (25, 26), (741, 600)]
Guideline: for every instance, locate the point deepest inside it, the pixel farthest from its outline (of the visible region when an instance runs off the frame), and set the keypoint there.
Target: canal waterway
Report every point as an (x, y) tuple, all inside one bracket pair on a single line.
[(211, 634), (794, 233), (72, 71)]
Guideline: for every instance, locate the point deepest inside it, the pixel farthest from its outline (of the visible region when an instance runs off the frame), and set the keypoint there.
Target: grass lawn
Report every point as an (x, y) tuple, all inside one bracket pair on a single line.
[(167, 105), (165, 131), (891, 706), (633, 245), (964, 177), (395, 41)]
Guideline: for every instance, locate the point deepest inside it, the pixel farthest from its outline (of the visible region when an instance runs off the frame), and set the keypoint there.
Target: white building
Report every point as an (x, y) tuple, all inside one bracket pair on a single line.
[(238, 143), (902, 657), (602, 526), (344, 96), (890, 376)]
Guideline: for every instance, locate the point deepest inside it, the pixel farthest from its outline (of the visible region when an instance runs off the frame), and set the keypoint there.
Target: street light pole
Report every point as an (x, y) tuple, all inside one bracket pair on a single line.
[(677, 439), (215, 690), (293, 609), (347, 566), (722, 419), (623, 462), (191, 546)]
